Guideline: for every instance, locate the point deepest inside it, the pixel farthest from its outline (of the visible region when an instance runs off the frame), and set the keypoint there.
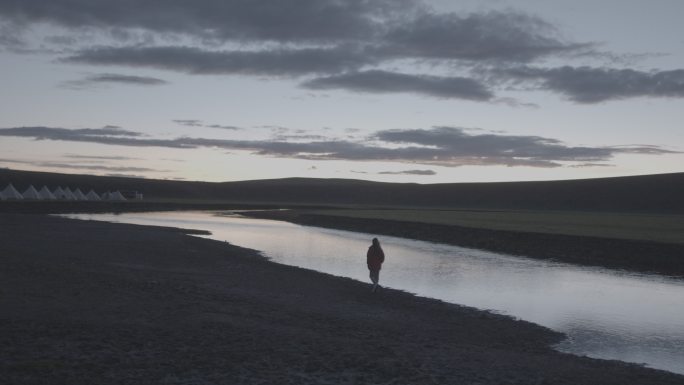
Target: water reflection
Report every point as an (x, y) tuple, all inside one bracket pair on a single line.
[(606, 314)]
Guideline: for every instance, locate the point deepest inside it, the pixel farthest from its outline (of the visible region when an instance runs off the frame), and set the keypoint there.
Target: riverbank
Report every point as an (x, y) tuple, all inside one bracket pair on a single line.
[(632, 255), (90, 302)]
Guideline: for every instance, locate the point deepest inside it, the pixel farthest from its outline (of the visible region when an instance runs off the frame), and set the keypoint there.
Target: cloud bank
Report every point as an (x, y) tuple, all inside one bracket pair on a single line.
[(353, 45), (192, 60), (377, 81), (443, 146), (594, 85)]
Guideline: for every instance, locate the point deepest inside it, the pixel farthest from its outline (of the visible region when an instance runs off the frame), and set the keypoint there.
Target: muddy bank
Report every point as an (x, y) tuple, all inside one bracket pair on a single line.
[(632, 255), (86, 302)]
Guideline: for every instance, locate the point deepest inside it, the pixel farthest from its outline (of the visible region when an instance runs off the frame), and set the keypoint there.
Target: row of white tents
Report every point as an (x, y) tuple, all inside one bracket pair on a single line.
[(60, 194)]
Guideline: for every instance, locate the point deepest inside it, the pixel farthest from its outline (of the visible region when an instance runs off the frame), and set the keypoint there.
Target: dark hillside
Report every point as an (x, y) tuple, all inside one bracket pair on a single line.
[(663, 193)]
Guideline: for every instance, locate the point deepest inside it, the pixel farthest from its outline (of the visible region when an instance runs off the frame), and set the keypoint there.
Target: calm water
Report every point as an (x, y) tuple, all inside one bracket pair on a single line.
[(606, 314)]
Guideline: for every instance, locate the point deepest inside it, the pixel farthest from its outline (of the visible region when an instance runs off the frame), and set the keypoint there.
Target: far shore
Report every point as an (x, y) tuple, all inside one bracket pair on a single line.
[(86, 302), (640, 256)]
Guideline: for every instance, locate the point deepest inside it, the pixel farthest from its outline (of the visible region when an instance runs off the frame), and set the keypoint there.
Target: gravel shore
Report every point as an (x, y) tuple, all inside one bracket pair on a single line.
[(86, 302)]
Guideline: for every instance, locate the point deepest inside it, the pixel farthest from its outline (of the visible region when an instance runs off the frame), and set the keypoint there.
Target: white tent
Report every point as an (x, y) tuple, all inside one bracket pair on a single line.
[(10, 193), (116, 196), (31, 194), (59, 194), (45, 194), (79, 195), (69, 195), (92, 196)]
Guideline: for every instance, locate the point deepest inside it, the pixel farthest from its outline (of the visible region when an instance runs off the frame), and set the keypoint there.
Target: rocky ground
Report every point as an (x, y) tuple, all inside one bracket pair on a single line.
[(98, 303)]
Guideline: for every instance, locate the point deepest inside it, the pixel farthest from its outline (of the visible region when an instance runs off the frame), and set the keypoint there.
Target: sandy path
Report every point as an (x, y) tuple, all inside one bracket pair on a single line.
[(97, 303)]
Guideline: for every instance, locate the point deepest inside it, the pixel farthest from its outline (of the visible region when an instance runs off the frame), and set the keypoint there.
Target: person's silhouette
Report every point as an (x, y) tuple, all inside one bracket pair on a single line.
[(374, 258)]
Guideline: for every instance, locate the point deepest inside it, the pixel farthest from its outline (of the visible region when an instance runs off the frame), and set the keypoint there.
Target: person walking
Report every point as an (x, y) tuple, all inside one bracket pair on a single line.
[(374, 258)]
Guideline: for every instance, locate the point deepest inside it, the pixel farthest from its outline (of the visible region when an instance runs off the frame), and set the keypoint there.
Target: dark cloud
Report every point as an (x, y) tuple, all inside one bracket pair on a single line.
[(199, 123), (73, 166), (89, 135), (445, 146), (52, 132), (121, 175), (294, 38), (99, 79), (97, 157), (95, 167), (404, 28), (409, 172), (126, 79), (275, 62), (594, 85), (10, 38), (299, 137), (189, 122), (222, 127), (458, 141), (509, 36), (282, 20), (343, 43), (587, 165), (376, 81)]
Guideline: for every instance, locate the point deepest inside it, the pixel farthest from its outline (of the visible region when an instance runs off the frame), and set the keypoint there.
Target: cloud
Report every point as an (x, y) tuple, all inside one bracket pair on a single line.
[(189, 122), (222, 127), (98, 157), (121, 175), (457, 141), (89, 135), (96, 167), (499, 36), (403, 28), (444, 146), (587, 165), (10, 38), (192, 60), (52, 132), (106, 78), (377, 81), (89, 167), (199, 123), (594, 85), (409, 172), (345, 45), (283, 20)]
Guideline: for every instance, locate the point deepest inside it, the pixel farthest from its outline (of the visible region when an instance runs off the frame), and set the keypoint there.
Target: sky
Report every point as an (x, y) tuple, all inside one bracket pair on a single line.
[(434, 91)]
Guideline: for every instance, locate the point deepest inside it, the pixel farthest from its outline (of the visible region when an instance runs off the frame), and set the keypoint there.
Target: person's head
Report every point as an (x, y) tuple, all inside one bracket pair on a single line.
[(376, 243)]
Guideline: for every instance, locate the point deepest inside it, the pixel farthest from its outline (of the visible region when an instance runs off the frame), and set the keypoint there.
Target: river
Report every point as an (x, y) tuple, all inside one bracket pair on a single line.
[(605, 313)]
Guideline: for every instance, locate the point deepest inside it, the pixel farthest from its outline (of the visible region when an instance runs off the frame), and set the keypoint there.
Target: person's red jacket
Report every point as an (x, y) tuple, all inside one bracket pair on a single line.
[(375, 257)]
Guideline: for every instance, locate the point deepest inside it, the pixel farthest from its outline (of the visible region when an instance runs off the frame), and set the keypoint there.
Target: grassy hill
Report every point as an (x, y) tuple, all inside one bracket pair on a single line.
[(663, 193)]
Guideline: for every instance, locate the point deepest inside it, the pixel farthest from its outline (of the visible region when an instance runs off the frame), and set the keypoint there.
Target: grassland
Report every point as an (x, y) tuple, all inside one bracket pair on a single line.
[(644, 227)]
